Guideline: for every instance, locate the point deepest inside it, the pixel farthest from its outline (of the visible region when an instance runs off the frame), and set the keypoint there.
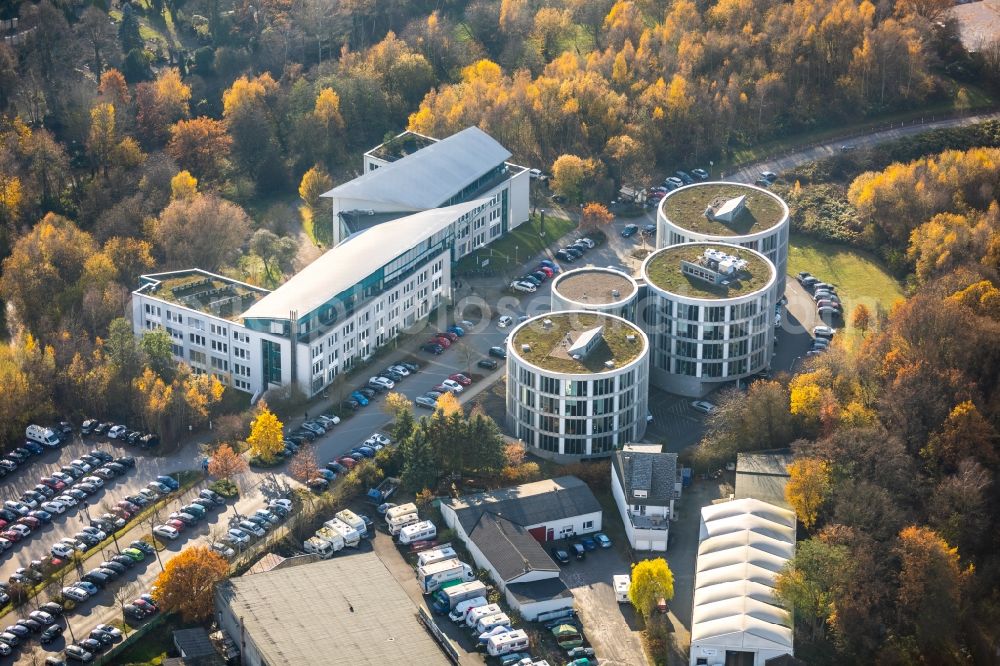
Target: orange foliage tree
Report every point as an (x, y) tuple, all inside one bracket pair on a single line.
[(225, 463), (187, 583)]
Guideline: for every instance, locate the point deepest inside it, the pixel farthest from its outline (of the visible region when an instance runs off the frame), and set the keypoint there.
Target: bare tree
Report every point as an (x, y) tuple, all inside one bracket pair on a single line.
[(123, 595)]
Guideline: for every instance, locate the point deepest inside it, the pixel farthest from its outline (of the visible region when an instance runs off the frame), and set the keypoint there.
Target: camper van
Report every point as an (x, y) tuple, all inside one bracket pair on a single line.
[(443, 552), (435, 575), (354, 520), (44, 436), (622, 584), (446, 598), (401, 510), (351, 536), (463, 608), (478, 613), (399, 522), (335, 539), (318, 547), (417, 532), (512, 641), (492, 621)]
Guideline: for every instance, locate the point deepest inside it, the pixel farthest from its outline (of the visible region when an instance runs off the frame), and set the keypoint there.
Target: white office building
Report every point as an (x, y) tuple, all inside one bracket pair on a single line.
[(387, 272), (709, 315), (413, 172), (645, 485), (732, 213), (577, 384)]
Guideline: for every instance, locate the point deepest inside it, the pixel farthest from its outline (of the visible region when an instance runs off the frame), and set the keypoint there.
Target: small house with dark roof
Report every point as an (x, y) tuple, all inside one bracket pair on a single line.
[(645, 484), (504, 530)]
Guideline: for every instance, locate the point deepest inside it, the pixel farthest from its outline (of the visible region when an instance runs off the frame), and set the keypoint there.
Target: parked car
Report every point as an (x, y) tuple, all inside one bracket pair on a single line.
[(565, 256), (559, 555), (425, 402), (166, 531), (629, 230), (505, 321), (522, 286), (487, 363), (602, 539), (700, 174), (117, 431), (703, 406), (498, 352)]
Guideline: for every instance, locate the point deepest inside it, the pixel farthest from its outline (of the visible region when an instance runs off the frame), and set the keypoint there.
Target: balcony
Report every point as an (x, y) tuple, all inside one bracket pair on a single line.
[(650, 522)]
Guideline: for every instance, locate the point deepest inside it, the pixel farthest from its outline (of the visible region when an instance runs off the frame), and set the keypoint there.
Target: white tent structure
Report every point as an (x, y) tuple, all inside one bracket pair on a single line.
[(736, 620)]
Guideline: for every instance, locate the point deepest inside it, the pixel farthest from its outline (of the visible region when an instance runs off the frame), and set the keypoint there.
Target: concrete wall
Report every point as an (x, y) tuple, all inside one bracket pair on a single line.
[(519, 209)]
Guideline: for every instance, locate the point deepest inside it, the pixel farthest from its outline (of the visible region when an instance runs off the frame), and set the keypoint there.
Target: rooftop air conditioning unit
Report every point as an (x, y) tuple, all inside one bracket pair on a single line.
[(615, 293), (526, 348), (547, 323), (576, 357), (630, 337), (609, 364)]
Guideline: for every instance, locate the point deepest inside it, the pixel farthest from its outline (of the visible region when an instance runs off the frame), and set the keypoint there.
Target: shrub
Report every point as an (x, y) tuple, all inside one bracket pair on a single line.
[(226, 488), (594, 474), (523, 473)]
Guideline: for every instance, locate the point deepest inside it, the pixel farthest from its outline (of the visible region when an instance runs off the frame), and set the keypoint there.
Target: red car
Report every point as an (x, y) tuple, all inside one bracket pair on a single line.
[(347, 462), (460, 378), (128, 506), (29, 521), (545, 269), (451, 336), (54, 484), (176, 524), (418, 546), (443, 341), (11, 536)]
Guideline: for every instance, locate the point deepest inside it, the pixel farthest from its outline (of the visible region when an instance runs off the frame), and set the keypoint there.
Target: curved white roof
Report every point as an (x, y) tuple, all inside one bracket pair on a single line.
[(430, 176), (743, 546)]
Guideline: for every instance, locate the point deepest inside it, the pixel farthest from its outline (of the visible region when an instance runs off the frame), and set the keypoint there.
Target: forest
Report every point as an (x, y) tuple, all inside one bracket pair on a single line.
[(147, 135)]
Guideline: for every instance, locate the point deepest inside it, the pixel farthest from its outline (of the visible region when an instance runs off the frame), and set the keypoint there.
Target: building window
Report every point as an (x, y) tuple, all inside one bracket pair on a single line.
[(588, 525)]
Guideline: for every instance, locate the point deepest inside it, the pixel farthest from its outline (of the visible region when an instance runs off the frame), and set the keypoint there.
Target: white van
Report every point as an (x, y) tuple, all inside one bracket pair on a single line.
[(622, 584), (512, 641), (418, 532), (401, 510), (43, 436), (492, 621), (442, 552), (463, 608), (399, 522), (478, 613)]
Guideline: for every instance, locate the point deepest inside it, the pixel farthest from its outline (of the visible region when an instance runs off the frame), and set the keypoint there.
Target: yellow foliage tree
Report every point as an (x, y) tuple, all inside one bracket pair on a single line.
[(861, 318), (571, 174), (103, 136), (314, 182), (807, 488), (265, 434), (246, 92), (327, 109), (172, 94), (154, 398), (448, 404), (652, 580), (187, 583), (183, 185), (11, 197), (396, 403), (200, 393)]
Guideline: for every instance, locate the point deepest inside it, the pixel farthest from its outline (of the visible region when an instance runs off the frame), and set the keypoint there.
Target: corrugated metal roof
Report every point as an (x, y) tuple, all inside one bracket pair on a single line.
[(347, 264), (743, 546), (348, 610), (430, 176)]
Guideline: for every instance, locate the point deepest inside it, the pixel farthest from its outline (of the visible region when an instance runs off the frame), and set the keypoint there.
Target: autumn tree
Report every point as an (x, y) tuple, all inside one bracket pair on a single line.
[(396, 404), (810, 583), (595, 216), (103, 136), (652, 580), (183, 185), (861, 318), (187, 583), (573, 176), (225, 463), (204, 231), (807, 488), (266, 436), (448, 404), (514, 453), (752, 421), (964, 434), (303, 465), (201, 145), (315, 212)]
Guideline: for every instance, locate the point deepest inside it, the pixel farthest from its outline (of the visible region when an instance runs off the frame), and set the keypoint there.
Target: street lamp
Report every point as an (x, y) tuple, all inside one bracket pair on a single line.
[(516, 248)]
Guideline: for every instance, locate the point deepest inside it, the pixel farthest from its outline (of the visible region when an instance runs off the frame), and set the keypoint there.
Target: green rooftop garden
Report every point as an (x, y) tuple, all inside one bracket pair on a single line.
[(686, 208), (208, 294), (549, 352), (663, 269)]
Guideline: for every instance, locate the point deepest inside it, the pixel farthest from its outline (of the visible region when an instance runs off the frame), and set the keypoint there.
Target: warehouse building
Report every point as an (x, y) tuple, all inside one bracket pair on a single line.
[(577, 384), (736, 620), (348, 610), (504, 529)]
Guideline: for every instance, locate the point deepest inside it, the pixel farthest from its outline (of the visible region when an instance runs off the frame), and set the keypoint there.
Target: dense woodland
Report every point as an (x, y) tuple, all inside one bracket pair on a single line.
[(163, 134)]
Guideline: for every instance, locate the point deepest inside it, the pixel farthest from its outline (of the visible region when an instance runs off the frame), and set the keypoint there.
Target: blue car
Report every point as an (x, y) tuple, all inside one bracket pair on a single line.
[(551, 264), (603, 540), (630, 230), (366, 451), (168, 481), (457, 330), (327, 474), (588, 543), (360, 397), (36, 449)]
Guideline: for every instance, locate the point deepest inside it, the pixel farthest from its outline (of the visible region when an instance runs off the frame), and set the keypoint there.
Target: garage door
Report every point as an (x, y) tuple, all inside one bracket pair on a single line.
[(659, 545), (642, 544), (538, 533)]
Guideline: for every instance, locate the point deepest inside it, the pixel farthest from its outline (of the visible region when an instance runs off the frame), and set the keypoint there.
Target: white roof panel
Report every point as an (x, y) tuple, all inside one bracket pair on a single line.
[(344, 265), (744, 544), (430, 176)]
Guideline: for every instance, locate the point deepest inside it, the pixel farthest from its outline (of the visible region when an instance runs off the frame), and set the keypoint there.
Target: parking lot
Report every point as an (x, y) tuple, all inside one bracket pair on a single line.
[(612, 628)]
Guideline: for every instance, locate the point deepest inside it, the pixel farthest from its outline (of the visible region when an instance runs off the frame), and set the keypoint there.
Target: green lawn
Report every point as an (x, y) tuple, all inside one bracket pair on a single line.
[(513, 249), (859, 277)]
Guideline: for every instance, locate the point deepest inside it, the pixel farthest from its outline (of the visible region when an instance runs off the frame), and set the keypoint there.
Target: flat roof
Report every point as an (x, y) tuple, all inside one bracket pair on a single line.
[(743, 545), (594, 286), (344, 265), (430, 176), (528, 504), (662, 269), (348, 610), (205, 292), (686, 206), (549, 343), (401, 145)]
